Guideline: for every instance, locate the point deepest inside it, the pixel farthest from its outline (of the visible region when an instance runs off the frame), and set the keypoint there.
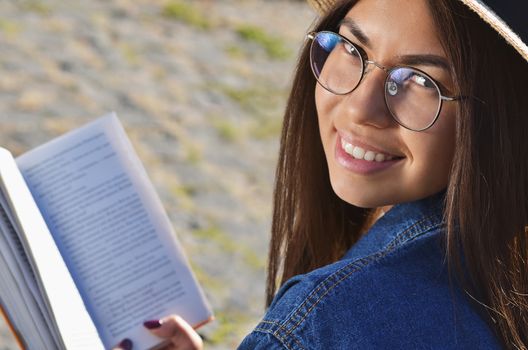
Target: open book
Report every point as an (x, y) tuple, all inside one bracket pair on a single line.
[(87, 252)]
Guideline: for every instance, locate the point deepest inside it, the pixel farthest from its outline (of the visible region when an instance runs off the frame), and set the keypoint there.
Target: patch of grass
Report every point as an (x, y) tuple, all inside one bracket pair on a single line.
[(228, 245), (212, 233), (182, 11), (210, 282), (263, 104), (36, 7), (184, 193), (234, 51), (130, 54), (229, 325), (244, 97), (187, 190), (274, 46), (266, 128), (9, 28), (255, 99), (227, 130), (194, 154)]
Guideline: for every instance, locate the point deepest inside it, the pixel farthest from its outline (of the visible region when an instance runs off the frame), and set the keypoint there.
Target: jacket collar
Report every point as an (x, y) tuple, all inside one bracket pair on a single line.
[(402, 223)]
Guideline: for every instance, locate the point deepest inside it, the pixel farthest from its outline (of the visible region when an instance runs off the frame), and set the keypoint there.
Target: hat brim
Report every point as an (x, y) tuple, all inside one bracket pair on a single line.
[(487, 14)]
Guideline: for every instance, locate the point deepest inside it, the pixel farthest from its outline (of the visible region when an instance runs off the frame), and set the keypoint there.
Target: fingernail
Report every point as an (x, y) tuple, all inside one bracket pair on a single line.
[(152, 324), (126, 344)]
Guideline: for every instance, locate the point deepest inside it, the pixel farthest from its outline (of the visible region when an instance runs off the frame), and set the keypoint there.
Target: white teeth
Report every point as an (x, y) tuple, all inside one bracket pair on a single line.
[(360, 153), (348, 148), (369, 155), (380, 157)]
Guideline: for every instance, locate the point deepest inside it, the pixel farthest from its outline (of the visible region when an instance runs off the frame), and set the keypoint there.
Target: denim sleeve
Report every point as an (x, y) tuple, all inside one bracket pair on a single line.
[(261, 341)]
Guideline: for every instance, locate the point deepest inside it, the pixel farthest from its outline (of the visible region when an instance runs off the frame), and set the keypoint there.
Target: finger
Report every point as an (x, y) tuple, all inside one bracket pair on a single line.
[(126, 344), (181, 334)]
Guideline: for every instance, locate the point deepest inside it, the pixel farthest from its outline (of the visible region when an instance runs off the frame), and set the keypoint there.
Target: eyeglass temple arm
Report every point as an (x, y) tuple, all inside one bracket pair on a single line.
[(447, 98)]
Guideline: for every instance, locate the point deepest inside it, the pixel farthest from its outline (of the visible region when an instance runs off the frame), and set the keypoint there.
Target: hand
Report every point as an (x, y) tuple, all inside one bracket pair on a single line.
[(178, 333)]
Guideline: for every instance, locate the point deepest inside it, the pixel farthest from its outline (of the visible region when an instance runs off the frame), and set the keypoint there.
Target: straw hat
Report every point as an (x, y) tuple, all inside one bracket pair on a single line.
[(505, 16)]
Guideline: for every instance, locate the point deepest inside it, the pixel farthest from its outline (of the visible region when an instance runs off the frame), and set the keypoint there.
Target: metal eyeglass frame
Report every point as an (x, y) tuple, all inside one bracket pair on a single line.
[(365, 62)]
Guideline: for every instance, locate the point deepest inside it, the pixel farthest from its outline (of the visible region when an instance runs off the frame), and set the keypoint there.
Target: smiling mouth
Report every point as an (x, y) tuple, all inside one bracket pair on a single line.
[(364, 154)]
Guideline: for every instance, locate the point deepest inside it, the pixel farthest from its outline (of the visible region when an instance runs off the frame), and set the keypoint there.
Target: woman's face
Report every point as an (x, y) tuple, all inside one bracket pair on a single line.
[(421, 161)]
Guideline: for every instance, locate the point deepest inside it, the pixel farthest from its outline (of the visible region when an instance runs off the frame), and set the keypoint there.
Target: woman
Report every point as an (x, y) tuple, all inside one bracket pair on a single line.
[(415, 108)]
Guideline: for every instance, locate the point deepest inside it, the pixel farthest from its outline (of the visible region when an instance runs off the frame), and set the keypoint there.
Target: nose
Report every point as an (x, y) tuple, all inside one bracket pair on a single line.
[(366, 104)]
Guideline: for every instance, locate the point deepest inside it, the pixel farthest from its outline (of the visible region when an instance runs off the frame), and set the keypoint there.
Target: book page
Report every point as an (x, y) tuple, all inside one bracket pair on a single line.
[(112, 231), (61, 297), (12, 246), (19, 290), (21, 306)]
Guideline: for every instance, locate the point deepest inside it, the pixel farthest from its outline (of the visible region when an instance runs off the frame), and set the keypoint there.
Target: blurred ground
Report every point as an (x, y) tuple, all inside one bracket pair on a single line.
[(200, 87)]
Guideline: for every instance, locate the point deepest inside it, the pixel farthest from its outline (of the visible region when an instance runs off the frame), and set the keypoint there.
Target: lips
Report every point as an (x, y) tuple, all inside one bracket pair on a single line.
[(361, 158)]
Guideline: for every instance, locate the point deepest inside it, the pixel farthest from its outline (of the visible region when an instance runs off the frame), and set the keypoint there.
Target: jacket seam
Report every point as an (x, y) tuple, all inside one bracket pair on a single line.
[(281, 338), (313, 299)]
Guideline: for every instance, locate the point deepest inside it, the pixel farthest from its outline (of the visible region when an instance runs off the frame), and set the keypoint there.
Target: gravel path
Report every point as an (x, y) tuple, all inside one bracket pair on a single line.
[(200, 87)]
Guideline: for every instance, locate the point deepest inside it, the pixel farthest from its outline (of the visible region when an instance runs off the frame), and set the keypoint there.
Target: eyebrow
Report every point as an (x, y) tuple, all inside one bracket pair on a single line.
[(425, 60), (411, 60), (355, 30)]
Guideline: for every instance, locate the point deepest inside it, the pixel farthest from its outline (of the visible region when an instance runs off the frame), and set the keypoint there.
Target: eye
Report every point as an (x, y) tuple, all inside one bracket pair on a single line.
[(350, 48), (422, 80), (406, 79)]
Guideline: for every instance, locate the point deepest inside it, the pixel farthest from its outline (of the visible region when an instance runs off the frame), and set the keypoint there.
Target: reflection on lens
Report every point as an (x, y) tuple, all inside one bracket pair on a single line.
[(327, 41), (392, 88), (412, 97), (336, 63), (400, 75)]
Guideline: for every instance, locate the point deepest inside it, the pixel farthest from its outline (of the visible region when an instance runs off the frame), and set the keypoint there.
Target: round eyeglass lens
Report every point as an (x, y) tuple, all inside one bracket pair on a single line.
[(412, 97), (336, 63)]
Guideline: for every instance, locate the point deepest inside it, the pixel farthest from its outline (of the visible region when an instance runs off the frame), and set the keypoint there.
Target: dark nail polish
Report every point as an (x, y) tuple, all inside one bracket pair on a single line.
[(152, 324), (126, 344)]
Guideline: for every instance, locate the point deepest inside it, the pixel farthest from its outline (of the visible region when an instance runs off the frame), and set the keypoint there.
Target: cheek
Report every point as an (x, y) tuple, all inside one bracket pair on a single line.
[(320, 102), (325, 110), (432, 151), (323, 113), (326, 106), (325, 102)]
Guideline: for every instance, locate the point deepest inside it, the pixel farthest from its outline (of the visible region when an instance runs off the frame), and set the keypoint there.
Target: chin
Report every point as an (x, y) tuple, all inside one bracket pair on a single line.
[(379, 196), (362, 197)]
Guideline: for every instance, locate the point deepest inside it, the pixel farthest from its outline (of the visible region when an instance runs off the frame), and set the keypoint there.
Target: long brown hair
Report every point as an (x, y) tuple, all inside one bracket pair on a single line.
[(487, 194)]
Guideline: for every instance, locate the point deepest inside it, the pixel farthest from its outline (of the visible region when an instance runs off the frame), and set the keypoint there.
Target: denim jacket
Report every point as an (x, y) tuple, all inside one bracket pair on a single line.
[(390, 291)]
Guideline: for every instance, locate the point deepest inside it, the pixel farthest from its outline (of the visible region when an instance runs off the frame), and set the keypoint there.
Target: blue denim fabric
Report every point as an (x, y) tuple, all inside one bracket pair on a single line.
[(390, 291)]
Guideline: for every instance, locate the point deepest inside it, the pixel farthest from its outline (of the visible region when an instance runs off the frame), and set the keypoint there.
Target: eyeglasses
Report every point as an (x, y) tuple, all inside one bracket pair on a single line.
[(413, 98)]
